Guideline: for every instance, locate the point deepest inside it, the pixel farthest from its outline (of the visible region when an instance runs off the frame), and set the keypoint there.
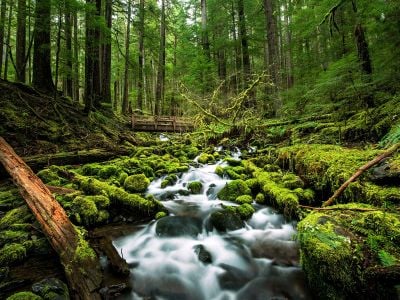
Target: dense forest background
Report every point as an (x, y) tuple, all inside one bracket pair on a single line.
[(175, 57)]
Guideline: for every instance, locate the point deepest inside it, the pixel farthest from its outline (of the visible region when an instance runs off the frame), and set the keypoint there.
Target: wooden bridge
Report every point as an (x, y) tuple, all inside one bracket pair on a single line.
[(161, 123)]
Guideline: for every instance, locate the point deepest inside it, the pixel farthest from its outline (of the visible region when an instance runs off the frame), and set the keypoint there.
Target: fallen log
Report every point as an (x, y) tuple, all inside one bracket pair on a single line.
[(39, 162), (359, 172), (80, 262)]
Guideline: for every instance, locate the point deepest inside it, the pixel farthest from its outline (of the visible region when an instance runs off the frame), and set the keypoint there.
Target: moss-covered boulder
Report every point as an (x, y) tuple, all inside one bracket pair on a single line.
[(25, 296), (219, 171), (51, 288), (195, 187), (291, 181), (226, 220), (17, 215), (233, 161), (234, 189), (206, 158), (12, 253), (175, 226), (90, 210), (136, 183), (347, 250), (169, 181), (244, 199)]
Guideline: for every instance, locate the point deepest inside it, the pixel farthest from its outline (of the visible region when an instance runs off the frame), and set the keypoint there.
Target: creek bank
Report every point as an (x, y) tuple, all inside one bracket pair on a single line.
[(102, 196)]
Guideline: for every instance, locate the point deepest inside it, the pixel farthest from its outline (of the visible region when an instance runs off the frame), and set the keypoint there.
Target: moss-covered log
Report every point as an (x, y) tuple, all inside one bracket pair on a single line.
[(79, 260)]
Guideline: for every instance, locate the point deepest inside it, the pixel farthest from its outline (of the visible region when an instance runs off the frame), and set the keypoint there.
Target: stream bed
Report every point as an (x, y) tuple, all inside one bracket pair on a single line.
[(183, 257)]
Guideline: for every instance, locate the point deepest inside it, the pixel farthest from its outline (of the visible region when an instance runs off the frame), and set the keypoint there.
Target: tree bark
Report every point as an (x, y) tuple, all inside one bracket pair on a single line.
[(161, 64), (140, 83), (125, 100), (10, 12), (360, 171), (3, 10), (42, 77), (106, 86), (204, 30), (76, 58), (245, 53), (21, 42), (80, 263), (68, 45)]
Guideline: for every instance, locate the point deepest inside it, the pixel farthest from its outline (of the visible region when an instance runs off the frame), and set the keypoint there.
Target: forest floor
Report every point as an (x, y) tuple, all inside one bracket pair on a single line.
[(103, 169)]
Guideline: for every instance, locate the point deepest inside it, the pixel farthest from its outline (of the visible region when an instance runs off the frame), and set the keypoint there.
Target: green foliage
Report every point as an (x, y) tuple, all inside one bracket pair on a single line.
[(233, 189), (243, 199)]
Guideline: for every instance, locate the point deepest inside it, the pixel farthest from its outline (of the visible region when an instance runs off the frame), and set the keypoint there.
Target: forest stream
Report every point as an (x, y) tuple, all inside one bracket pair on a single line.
[(183, 257)]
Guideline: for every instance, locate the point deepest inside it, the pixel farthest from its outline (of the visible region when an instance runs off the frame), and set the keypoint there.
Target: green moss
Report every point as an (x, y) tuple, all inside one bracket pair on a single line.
[(16, 216), (244, 199), (233, 162), (206, 158), (136, 183), (120, 199), (12, 236), (25, 296), (87, 210), (260, 198), (169, 181), (357, 241), (83, 251), (306, 196), (108, 171), (232, 174), (234, 189), (91, 169), (245, 211), (49, 176), (219, 171), (195, 187), (291, 181), (160, 214), (12, 253)]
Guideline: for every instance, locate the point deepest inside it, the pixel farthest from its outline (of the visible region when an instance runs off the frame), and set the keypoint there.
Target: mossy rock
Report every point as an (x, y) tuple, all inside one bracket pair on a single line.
[(234, 189), (206, 158), (12, 253), (51, 288), (192, 152), (244, 199), (195, 187), (226, 220), (219, 171), (169, 181), (107, 171), (245, 211), (16, 216), (12, 236), (136, 183), (160, 214), (358, 238), (24, 296), (233, 162), (291, 181), (260, 198)]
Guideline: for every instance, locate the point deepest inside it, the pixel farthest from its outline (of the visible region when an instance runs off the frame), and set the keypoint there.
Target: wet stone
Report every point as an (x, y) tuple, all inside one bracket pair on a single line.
[(226, 220), (51, 288), (203, 255), (178, 226)]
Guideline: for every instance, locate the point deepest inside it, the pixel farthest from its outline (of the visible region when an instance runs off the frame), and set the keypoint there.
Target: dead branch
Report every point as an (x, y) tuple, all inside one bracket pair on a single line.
[(360, 171)]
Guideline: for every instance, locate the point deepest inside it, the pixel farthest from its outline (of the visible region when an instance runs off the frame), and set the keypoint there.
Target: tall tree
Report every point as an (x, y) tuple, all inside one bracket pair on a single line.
[(125, 100), (140, 84), (106, 53), (245, 51), (160, 86), (273, 54), (10, 13), (68, 44), (41, 76), (204, 30), (3, 10), (92, 72), (20, 51)]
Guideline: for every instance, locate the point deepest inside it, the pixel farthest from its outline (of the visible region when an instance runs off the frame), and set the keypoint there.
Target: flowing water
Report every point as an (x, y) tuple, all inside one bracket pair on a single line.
[(187, 259)]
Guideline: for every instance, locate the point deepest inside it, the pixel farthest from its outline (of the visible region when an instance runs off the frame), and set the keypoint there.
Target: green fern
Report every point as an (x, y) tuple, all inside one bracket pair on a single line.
[(386, 258)]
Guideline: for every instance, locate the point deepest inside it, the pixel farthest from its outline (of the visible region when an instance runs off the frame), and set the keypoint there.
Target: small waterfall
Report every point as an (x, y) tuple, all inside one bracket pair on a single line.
[(187, 259)]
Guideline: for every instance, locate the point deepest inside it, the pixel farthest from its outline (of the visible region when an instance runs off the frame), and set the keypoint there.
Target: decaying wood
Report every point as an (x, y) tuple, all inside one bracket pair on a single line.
[(81, 268), (360, 171), (60, 190)]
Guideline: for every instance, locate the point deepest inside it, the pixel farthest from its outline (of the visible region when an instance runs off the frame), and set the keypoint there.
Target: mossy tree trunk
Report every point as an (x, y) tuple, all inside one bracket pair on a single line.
[(78, 259)]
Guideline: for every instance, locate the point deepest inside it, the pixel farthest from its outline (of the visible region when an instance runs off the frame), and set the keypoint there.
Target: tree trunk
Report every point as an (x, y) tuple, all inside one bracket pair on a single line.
[(106, 86), (237, 82), (76, 58), (42, 77), (125, 100), (68, 45), (10, 12), (21, 42), (204, 30), (80, 262), (97, 74), (3, 10), (161, 64), (272, 42), (245, 53), (141, 56)]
